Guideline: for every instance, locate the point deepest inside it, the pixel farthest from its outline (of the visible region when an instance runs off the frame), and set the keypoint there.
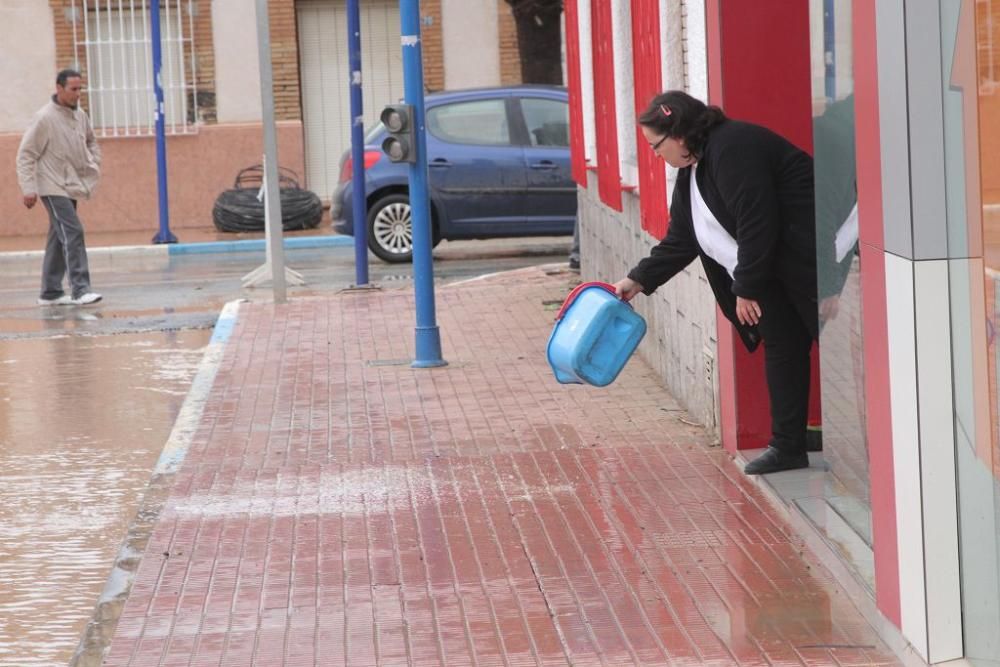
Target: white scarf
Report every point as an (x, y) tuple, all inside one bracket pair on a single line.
[(712, 237)]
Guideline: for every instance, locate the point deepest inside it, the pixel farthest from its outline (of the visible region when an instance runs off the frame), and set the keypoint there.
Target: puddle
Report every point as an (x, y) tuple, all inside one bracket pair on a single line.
[(82, 423)]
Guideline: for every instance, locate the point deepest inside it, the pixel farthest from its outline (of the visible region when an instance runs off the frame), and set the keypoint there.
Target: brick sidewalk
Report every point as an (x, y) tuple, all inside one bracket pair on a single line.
[(337, 507)]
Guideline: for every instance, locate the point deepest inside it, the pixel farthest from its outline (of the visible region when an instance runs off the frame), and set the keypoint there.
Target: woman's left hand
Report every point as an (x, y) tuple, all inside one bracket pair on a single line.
[(747, 311)]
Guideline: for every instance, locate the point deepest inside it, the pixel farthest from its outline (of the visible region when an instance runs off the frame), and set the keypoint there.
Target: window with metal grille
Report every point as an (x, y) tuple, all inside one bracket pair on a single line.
[(113, 45)]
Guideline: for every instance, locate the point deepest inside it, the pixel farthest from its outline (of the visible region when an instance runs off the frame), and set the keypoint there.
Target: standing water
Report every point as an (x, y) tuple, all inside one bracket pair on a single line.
[(82, 423)]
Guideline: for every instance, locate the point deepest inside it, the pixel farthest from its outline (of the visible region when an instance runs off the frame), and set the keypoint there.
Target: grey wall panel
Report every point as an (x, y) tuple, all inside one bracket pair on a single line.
[(925, 89), (894, 127)]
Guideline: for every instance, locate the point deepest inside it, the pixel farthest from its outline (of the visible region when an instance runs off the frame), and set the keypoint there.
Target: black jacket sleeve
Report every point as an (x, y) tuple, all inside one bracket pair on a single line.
[(744, 176), (677, 249)]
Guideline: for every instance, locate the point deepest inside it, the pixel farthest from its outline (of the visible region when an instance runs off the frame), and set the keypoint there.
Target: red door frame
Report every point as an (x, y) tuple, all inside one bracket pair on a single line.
[(747, 41), (744, 40)]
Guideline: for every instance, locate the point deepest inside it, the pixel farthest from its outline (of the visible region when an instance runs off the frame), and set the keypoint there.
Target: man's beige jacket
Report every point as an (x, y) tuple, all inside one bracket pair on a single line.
[(59, 154)]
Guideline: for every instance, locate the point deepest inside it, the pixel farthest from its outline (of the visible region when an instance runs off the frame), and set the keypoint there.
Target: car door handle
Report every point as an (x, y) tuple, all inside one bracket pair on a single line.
[(546, 165), (439, 163)]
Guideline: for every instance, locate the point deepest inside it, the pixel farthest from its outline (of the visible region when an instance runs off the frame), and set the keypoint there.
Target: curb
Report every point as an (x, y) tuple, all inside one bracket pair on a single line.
[(104, 254), (100, 630), (249, 245), (189, 416)]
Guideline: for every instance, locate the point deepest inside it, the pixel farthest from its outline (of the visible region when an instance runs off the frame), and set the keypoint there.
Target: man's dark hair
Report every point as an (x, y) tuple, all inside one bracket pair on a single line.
[(677, 115), (65, 75)]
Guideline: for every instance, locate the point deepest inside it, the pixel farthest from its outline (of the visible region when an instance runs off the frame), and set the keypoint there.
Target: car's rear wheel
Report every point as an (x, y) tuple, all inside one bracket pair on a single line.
[(390, 229)]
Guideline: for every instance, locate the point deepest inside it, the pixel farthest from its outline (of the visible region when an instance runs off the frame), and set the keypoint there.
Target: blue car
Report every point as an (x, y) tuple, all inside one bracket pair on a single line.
[(498, 166)]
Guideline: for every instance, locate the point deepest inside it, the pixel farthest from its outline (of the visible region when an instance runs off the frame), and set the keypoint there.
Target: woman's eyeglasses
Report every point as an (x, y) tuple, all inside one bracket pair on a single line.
[(657, 144)]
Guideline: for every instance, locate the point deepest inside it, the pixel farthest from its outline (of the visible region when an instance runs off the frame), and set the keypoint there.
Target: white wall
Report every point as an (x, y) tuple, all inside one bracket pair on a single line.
[(237, 73), (696, 48), (681, 314), (27, 59), (625, 112), (471, 43), (587, 83)]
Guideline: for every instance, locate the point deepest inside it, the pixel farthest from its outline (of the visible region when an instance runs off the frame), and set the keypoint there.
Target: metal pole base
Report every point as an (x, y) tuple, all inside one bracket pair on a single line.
[(264, 273), (428, 364), (428, 348), (160, 237)]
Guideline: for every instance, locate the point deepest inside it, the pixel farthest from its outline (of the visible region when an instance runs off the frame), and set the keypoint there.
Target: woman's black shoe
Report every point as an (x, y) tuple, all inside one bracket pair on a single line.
[(775, 460)]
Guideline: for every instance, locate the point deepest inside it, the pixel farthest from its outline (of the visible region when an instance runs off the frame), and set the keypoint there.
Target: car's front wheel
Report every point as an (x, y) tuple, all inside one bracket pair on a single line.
[(390, 229)]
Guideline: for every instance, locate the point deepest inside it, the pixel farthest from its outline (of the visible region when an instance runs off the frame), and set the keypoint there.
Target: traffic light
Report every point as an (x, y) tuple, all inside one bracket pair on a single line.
[(399, 145)]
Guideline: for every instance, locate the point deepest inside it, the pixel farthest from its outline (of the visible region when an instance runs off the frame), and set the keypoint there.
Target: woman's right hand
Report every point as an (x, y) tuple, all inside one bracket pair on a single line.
[(626, 288)]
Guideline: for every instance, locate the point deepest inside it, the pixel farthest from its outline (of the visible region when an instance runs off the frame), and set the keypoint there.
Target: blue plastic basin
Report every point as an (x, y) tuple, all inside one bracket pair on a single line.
[(594, 336)]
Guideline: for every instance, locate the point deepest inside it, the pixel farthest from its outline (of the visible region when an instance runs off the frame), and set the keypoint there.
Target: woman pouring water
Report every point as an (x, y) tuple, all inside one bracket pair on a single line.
[(743, 202)]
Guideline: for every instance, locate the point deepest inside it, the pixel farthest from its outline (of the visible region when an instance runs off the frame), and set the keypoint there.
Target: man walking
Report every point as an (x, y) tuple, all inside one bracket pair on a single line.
[(59, 162)]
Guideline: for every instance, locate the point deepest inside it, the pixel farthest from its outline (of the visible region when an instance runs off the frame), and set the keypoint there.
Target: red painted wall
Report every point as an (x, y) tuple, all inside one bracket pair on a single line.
[(577, 148), (608, 174), (765, 66), (199, 167), (759, 71), (648, 82)]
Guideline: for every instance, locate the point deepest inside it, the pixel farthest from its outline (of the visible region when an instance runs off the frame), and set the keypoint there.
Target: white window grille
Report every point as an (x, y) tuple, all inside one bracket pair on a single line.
[(114, 39)]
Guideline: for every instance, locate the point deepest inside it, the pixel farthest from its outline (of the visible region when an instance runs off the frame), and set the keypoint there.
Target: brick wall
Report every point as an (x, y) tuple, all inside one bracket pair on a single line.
[(285, 59), (62, 19), (432, 45), (62, 12), (510, 59), (204, 60)]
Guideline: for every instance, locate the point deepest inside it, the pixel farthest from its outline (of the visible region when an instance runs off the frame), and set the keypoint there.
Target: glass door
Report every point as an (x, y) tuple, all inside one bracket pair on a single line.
[(975, 330), (844, 510)]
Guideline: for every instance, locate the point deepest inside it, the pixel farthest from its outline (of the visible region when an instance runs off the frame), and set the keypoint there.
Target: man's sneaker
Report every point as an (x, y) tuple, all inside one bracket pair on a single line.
[(63, 300), (86, 299), (775, 460)]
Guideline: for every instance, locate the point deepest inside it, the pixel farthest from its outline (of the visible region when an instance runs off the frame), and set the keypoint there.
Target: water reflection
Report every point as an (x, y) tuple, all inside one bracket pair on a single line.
[(82, 422)]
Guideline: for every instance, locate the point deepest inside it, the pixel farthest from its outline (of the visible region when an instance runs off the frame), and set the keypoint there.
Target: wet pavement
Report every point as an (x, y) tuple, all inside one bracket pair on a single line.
[(89, 395), (208, 234), (187, 291), (82, 421), (338, 507)]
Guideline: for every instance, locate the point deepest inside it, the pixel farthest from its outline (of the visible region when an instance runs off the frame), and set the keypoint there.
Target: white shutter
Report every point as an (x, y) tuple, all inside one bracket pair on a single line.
[(324, 65)]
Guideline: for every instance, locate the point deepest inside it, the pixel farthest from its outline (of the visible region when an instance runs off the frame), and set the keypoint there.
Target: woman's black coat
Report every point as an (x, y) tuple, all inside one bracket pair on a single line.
[(760, 188)]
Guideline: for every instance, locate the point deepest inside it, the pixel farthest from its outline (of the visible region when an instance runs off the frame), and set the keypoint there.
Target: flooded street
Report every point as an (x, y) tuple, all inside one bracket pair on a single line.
[(88, 398), (83, 420)]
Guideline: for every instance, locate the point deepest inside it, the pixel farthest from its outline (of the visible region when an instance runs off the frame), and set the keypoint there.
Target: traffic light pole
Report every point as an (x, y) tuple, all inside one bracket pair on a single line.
[(163, 234), (359, 209), (428, 337)]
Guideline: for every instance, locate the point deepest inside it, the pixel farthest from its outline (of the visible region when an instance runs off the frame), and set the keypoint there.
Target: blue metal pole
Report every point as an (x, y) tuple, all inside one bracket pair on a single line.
[(163, 235), (359, 209), (428, 337)]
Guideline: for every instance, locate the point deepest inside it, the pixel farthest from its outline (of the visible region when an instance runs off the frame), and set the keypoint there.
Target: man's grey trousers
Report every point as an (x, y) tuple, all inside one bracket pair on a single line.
[(65, 251)]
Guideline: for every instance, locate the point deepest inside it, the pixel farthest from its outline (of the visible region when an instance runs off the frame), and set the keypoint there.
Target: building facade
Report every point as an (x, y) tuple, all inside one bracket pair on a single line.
[(212, 94), (899, 104)]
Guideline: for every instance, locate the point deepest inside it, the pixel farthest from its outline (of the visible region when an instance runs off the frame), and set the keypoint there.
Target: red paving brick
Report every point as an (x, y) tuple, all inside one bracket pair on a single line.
[(339, 508)]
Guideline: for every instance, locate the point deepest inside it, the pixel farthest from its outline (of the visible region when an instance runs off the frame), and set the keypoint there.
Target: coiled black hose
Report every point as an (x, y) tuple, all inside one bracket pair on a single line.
[(238, 210)]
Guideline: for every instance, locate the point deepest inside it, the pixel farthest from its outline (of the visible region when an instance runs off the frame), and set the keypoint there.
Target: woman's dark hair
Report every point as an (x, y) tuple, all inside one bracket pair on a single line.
[(678, 115)]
